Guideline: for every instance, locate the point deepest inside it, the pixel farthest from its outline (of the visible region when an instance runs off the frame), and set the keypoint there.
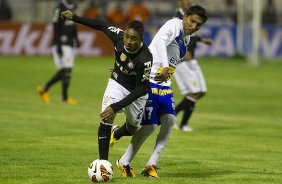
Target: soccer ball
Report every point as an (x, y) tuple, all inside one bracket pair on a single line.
[(100, 170)]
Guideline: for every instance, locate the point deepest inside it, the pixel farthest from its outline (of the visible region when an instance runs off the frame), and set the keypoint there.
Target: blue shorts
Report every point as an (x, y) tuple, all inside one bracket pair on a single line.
[(160, 102)]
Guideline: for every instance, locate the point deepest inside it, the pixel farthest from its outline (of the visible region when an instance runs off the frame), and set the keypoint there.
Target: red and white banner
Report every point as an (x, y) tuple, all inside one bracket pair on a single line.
[(36, 39)]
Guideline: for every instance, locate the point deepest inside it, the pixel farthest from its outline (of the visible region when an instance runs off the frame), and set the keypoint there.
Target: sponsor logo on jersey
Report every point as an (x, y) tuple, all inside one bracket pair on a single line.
[(115, 29), (122, 57), (107, 100), (161, 92), (64, 38), (130, 64), (174, 62), (147, 70)]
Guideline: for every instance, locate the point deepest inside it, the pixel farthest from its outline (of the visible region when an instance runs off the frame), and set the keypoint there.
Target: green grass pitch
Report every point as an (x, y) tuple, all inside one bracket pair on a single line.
[(237, 134)]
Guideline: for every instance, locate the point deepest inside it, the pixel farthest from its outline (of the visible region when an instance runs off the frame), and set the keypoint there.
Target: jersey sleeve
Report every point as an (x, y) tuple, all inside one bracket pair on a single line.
[(168, 31), (142, 84), (110, 31), (164, 37)]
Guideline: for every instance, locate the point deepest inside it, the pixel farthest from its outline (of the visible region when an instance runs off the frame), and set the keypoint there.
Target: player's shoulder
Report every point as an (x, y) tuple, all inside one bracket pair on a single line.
[(115, 34), (175, 21), (146, 50), (174, 24), (145, 54), (115, 29)]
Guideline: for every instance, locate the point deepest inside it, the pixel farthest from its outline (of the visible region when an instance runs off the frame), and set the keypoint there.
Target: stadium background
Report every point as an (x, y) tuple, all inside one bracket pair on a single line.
[(237, 126), (31, 20)]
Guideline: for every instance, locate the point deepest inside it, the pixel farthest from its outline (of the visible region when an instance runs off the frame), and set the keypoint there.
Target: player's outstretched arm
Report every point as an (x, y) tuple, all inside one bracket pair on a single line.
[(92, 23)]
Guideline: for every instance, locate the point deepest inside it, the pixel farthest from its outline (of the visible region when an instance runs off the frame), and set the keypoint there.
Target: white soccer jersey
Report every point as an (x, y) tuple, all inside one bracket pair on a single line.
[(168, 47)]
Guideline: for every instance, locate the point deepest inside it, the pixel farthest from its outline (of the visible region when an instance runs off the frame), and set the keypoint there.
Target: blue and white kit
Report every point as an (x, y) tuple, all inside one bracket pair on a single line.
[(168, 48)]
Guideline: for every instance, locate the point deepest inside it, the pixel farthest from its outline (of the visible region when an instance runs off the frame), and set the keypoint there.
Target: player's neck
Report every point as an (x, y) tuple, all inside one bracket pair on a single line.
[(134, 52)]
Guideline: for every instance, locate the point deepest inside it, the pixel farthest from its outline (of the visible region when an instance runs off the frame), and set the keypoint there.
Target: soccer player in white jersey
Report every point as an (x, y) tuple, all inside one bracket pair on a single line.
[(191, 83), (168, 48)]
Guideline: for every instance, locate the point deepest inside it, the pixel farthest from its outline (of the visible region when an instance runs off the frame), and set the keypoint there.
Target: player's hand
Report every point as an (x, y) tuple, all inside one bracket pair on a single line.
[(107, 114), (67, 14), (163, 76)]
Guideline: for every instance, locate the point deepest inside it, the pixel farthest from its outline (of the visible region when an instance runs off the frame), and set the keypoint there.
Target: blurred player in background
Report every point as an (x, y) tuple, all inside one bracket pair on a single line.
[(190, 81), (168, 48), (183, 6), (92, 10), (129, 83), (138, 11), (117, 16), (65, 41), (188, 75)]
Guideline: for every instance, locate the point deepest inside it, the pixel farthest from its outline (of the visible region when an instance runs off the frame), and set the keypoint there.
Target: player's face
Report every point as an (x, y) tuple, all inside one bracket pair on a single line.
[(192, 23), (131, 40)]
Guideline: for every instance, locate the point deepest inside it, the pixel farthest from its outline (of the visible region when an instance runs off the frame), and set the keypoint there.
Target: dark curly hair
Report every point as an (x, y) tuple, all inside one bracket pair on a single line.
[(137, 26), (198, 10)]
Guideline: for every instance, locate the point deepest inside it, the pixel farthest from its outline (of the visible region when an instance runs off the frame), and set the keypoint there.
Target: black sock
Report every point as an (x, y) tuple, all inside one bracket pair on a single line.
[(104, 135), (122, 131), (188, 110), (180, 106), (65, 83), (57, 77)]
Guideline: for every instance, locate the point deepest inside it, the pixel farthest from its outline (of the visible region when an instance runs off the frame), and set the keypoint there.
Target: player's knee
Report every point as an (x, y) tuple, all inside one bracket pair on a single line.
[(168, 120), (172, 122), (66, 74)]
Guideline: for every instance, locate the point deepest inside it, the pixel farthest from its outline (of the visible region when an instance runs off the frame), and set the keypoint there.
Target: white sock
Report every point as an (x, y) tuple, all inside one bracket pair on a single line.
[(167, 123), (136, 142)]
